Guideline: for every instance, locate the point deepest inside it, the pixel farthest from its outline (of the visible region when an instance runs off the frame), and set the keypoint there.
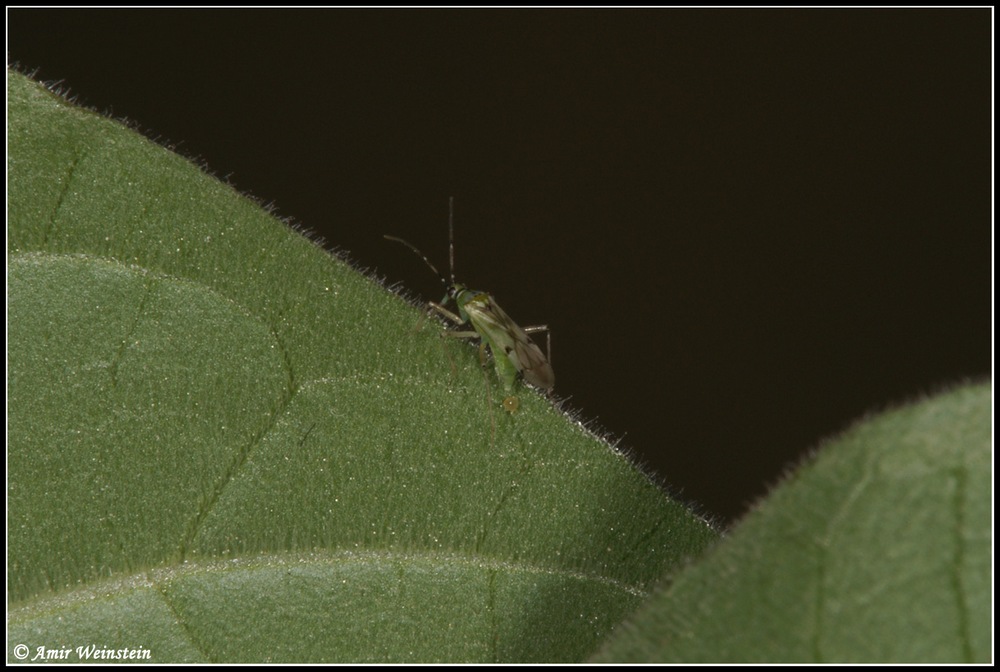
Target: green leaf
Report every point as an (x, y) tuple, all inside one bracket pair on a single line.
[(225, 444), (878, 550)]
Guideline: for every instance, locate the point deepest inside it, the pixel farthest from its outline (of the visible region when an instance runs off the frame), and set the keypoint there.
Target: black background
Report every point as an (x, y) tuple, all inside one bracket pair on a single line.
[(745, 228)]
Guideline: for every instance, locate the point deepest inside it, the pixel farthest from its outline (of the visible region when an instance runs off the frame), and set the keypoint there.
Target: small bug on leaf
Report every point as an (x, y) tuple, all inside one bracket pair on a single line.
[(514, 353)]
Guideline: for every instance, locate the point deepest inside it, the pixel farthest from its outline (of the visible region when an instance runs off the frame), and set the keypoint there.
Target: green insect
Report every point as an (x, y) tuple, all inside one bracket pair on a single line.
[(514, 353)]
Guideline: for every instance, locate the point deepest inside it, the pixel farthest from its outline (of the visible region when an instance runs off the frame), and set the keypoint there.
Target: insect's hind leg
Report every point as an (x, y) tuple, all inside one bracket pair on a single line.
[(538, 328)]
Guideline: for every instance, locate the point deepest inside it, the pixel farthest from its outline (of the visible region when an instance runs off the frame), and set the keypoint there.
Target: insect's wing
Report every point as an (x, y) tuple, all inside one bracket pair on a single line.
[(506, 337), (529, 359)]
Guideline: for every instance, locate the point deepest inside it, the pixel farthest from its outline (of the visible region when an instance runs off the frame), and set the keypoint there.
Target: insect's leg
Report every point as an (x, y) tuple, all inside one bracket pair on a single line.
[(548, 337), (420, 322), (493, 418), (451, 360), (450, 333), (460, 334), (445, 312), (441, 310), (484, 363)]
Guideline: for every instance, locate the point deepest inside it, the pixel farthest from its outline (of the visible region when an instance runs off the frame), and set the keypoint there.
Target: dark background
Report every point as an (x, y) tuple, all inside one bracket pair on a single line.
[(745, 228)]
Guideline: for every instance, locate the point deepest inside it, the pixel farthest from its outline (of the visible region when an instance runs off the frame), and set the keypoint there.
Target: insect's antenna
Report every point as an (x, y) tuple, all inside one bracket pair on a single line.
[(419, 254), (451, 237)]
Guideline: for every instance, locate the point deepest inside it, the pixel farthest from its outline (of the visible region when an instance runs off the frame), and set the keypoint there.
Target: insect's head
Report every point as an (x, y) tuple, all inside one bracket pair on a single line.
[(466, 298), (454, 290)]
